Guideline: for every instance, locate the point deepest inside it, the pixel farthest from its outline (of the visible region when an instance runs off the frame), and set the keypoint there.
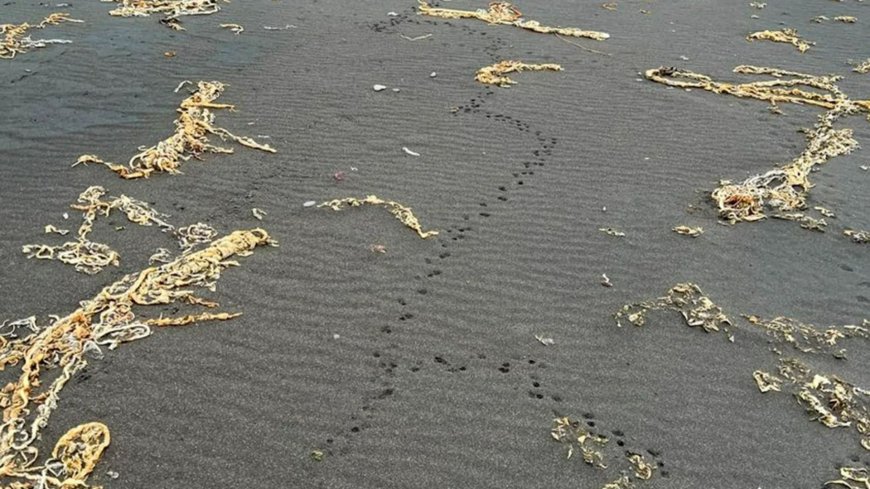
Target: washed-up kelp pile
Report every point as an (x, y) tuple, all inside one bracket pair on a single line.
[(88, 256), (507, 14), (689, 300), (789, 36), (593, 448), (497, 74), (401, 212), (783, 190), (170, 9), (807, 338), (828, 399), (50, 355), (851, 478), (194, 124), (15, 39)]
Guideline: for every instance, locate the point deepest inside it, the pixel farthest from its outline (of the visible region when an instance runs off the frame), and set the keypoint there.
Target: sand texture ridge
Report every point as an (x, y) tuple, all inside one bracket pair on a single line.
[(642, 266)]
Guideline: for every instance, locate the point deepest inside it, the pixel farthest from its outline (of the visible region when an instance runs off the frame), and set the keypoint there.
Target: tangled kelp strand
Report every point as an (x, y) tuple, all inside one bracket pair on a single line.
[(235, 28), (857, 236), (862, 67), (808, 338), (846, 19), (767, 382), (190, 236), (612, 232), (850, 475), (171, 9), (401, 212), (496, 74), (88, 256), (689, 300), (58, 350), (52, 229), (194, 123), (689, 231), (828, 399), (14, 41), (642, 469), (783, 189), (506, 13), (789, 36), (162, 255)]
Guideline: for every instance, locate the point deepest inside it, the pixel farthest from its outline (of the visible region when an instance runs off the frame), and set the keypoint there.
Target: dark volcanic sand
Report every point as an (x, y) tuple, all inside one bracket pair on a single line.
[(436, 379)]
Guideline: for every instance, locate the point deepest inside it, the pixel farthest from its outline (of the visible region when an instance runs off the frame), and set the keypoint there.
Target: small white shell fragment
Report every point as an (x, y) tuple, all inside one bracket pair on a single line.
[(392, 14), (309, 203), (379, 88), (433, 74), (66, 215), (408, 151), (545, 341)]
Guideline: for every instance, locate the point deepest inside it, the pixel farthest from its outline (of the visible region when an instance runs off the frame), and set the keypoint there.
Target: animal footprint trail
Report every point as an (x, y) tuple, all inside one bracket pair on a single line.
[(49, 355), (194, 124)]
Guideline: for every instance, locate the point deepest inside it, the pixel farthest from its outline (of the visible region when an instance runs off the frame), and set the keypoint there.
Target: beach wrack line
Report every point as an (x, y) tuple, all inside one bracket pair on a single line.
[(194, 124), (505, 13)]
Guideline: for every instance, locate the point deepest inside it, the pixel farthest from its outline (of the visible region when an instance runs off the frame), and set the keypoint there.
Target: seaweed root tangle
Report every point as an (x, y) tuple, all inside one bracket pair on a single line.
[(783, 189)]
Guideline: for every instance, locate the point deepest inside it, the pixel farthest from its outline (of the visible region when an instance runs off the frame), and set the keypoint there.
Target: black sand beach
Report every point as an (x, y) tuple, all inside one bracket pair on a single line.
[(419, 367)]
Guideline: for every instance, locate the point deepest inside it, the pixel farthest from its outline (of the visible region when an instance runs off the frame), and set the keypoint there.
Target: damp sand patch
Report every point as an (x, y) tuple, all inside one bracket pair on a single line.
[(47, 356), (195, 123)]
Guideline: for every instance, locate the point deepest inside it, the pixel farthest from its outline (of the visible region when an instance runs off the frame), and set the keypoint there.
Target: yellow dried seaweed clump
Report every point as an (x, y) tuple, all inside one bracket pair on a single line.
[(401, 212), (828, 399), (506, 13), (192, 127), (807, 338), (14, 39), (848, 475), (789, 36), (862, 67), (48, 356), (171, 9), (783, 189), (496, 74), (689, 300)]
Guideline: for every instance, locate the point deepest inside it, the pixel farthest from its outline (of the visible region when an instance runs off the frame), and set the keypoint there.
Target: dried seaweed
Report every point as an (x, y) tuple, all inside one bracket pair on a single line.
[(862, 67), (573, 435), (689, 231), (807, 338), (592, 447), (190, 236), (59, 349), (850, 477), (857, 236), (170, 9), (88, 256), (612, 232), (828, 399), (847, 19), (505, 13), (767, 382), (235, 28), (686, 298), (789, 36), (162, 255), (192, 127), (14, 39), (783, 189), (398, 210), (496, 74)]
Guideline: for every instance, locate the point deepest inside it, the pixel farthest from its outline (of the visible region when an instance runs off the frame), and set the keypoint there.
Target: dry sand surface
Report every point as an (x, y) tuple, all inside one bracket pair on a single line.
[(419, 367)]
